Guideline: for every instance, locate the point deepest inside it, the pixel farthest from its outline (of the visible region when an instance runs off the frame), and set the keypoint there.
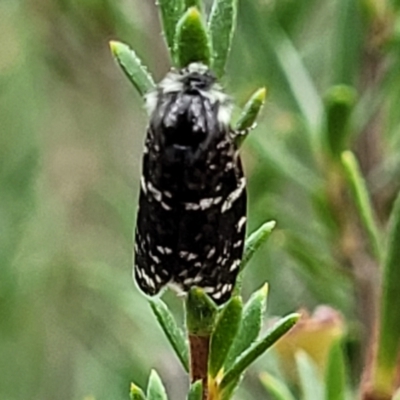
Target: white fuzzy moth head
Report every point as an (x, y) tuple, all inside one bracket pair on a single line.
[(196, 79)]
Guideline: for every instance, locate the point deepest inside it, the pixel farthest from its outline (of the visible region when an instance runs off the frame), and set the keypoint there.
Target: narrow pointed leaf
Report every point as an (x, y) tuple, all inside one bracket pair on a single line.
[(201, 312), (310, 382), (196, 391), (258, 348), (277, 388), (191, 41), (389, 339), (155, 388), (221, 27), (175, 336), (170, 12), (250, 325), (335, 377), (362, 201), (136, 393), (226, 327), (255, 240), (132, 66), (227, 392), (247, 119), (339, 104), (300, 83)]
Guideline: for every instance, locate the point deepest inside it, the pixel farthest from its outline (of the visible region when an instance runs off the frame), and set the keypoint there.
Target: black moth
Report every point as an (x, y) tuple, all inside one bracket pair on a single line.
[(192, 206)]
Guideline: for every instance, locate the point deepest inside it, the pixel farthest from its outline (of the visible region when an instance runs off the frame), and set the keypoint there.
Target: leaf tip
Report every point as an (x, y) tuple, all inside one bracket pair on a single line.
[(193, 13), (261, 94), (114, 47), (347, 156), (264, 290)]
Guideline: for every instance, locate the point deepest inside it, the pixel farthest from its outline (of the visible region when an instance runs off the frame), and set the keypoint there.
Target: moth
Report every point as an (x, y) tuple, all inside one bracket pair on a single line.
[(191, 217)]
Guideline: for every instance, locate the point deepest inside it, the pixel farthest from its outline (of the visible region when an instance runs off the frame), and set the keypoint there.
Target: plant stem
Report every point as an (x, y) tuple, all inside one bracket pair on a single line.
[(199, 349)]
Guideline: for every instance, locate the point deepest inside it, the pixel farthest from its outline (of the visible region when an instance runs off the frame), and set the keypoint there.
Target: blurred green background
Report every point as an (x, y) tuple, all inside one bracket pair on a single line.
[(72, 322)]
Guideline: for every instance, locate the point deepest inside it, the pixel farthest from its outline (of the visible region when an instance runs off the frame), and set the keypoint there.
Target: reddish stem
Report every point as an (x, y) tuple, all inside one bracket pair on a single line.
[(199, 349)]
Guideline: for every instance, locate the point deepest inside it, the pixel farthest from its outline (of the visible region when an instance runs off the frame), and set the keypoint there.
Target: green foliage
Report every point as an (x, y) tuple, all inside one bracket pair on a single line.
[(277, 388), (175, 335), (224, 334), (339, 103), (201, 312), (362, 201), (250, 325), (136, 393), (255, 240), (247, 118), (196, 391), (155, 388), (191, 39), (132, 67), (256, 350), (389, 341), (72, 135), (311, 385), (170, 12), (335, 380), (221, 26)]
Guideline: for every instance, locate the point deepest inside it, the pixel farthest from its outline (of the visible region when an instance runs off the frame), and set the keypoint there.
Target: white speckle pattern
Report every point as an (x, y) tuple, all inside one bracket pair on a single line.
[(237, 244), (165, 206), (241, 223), (227, 204), (226, 288), (143, 185), (191, 206), (211, 252), (155, 192), (206, 203), (235, 265), (217, 295)]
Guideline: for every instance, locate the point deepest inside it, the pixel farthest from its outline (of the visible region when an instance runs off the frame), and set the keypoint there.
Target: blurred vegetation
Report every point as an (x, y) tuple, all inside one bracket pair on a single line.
[(72, 323)]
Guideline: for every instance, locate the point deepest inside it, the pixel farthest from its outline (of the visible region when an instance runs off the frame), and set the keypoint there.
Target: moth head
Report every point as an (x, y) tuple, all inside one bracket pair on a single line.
[(195, 79)]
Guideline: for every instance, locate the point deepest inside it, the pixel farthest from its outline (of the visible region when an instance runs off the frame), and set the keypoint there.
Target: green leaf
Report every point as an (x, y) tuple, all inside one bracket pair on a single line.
[(196, 391), (250, 325), (155, 388), (335, 375), (247, 118), (132, 66), (228, 390), (191, 41), (300, 83), (253, 243), (136, 393), (257, 349), (362, 201), (175, 335), (255, 240), (339, 104), (389, 338), (226, 327), (310, 382), (170, 12), (276, 387), (201, 312), (221, 27)]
